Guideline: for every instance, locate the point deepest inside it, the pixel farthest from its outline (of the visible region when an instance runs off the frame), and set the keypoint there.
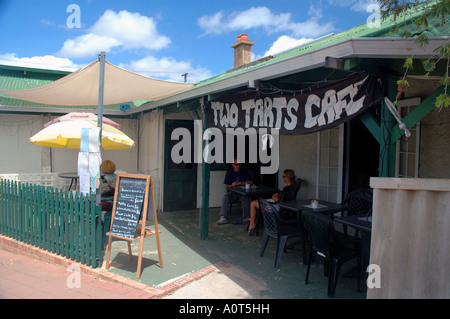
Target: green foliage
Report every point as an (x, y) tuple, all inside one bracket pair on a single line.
[(433, 14)]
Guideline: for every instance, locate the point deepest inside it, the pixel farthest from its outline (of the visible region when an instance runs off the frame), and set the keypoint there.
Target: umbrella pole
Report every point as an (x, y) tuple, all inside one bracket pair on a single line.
[(101, 58)]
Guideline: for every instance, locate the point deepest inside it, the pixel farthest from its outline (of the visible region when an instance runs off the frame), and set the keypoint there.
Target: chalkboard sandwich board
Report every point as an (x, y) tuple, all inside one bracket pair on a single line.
[(131, 194), (132, 198)]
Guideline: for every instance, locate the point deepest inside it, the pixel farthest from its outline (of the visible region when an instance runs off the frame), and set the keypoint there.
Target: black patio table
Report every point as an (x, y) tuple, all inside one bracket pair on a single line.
[(362, 223), (324, 207), (73, 176), (359, 222), (252, 192)]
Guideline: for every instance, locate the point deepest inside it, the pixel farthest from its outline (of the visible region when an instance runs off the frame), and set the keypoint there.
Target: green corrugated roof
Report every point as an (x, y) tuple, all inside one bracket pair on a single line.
[(387, 28)]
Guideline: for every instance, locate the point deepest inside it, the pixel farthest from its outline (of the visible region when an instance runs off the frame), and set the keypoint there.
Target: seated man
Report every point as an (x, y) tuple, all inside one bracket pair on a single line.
[(235, 177)]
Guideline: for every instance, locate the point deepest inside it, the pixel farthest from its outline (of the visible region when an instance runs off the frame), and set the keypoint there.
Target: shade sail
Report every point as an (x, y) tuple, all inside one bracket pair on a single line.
[(68, 134), (81, 88)]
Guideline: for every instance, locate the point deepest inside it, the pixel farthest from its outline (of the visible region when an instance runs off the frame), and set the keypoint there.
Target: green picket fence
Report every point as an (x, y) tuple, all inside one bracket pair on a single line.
[(62, 222)]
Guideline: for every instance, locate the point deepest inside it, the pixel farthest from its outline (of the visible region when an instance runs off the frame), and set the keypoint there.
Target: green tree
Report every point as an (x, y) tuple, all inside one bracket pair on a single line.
[(432, 14)]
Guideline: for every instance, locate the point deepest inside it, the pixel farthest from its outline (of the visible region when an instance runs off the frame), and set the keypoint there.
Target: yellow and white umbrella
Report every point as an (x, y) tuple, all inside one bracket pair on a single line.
[(68, 134), (84, 116)]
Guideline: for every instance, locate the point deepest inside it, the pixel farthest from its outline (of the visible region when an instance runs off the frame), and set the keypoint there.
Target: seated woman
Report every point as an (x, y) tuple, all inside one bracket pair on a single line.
[(287, 193), (108, 183)]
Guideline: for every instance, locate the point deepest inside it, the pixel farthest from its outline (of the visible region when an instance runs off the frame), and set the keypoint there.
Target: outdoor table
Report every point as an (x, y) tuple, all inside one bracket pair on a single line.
[(362, 223), (324, 207), (73, 176), (359, 222), (253, 192)]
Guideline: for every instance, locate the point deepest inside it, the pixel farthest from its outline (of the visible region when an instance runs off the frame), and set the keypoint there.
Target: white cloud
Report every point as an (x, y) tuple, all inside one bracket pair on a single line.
[(284, 43), (39, 62), (123, 30), (263, 17), (167, 68), (131, 29), (87, 45), (354, 5)]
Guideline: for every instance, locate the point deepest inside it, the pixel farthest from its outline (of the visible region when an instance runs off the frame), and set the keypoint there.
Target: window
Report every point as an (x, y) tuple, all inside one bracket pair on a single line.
[(407, 159)]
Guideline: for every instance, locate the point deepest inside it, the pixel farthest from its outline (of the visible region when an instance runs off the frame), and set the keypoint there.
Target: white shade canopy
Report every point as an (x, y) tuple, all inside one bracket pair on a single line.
[(81, 88)]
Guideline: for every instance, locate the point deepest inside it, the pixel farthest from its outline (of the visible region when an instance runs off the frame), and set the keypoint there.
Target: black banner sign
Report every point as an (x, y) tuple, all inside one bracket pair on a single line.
[(331, 104)]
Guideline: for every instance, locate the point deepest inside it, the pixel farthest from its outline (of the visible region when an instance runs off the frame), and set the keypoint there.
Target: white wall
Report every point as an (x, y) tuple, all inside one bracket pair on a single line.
[(299, 152), (19, 155), (151, 142)]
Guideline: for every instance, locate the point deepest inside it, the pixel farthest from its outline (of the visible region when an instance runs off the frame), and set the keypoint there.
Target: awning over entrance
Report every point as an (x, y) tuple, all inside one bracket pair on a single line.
[(82, 88), (302, 112)]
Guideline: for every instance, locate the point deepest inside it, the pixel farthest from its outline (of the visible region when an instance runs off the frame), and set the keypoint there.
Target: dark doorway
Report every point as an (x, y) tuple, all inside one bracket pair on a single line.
[(180, 179), (363, 155)]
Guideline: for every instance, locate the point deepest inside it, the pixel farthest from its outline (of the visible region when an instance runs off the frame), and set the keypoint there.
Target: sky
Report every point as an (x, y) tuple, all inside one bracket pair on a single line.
[(165, 39)]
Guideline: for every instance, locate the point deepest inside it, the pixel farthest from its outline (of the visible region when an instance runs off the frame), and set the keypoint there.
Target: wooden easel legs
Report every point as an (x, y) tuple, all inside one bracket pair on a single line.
[(130, 254)]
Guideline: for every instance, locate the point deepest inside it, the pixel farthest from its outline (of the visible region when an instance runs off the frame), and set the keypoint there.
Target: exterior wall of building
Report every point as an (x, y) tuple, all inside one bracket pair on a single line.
[(435, 145), (151, 135), (299, 153), (19, 155)]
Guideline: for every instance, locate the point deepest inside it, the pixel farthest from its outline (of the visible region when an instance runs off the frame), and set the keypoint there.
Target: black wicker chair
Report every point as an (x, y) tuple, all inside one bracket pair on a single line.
[(335, 251), (278, 228), (358, 201)]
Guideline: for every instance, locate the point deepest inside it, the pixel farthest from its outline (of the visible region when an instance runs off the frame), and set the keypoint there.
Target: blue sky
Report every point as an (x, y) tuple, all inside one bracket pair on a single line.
[(164, 38)]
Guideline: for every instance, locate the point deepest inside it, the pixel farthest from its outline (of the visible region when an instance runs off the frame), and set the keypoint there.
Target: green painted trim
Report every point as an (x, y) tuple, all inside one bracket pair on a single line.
[(386, 167), (422, 110), (206, 176), (372, 125)]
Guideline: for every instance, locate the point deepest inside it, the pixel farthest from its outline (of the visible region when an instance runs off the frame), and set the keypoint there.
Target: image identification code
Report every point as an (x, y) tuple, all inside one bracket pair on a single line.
[(239, 308)]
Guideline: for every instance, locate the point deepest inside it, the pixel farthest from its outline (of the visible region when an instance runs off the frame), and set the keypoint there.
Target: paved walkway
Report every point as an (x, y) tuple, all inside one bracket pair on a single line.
[(25, 277), (226, 266), (27, 272)]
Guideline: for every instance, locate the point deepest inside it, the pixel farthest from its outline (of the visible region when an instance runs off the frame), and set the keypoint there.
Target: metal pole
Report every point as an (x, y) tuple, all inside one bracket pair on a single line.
[(204, 214), (101, 83)]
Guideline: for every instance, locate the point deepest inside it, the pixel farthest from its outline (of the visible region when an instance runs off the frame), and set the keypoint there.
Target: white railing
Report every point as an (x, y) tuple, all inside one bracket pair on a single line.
[(43, 179)]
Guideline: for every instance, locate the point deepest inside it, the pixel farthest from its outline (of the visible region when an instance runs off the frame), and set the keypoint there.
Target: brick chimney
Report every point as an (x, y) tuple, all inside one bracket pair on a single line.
[(242, 50)]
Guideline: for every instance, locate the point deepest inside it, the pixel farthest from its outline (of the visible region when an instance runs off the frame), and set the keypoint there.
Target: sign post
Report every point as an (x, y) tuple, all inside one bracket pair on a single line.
[(133, 198)]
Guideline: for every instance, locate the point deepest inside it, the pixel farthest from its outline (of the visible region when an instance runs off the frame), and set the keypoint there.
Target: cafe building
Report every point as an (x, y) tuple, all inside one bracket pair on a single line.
[(324, 109), (323, 102)]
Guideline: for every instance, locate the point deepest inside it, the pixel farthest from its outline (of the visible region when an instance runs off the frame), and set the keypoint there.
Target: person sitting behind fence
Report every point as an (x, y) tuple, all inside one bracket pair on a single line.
[(108, 183), (287, 193)]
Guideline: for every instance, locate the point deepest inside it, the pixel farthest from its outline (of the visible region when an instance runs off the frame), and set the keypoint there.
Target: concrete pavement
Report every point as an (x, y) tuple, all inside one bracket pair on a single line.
[(30, 273), (225, 266)]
